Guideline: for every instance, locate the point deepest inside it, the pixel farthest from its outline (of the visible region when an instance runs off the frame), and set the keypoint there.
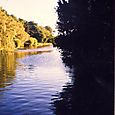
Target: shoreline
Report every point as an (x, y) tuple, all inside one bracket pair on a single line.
[(42, 47)]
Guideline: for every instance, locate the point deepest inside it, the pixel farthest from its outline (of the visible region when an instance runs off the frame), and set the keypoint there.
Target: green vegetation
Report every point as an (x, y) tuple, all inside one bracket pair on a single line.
[(18, 33), (42, 34)]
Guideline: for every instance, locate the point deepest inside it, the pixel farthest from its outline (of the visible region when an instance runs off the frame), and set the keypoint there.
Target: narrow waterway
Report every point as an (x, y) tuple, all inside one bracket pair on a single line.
[(30, 82), (53, 83)]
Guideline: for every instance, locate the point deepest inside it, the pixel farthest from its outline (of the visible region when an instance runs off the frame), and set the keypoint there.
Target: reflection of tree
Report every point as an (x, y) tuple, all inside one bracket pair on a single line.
[(80, 100), (86, 96), (89, 94), (8, 65), (87, 31), (7, 68)]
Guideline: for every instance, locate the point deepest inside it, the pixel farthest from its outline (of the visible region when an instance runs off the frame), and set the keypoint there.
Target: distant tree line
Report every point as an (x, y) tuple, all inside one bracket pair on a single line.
[(42, 34), (18, 33)]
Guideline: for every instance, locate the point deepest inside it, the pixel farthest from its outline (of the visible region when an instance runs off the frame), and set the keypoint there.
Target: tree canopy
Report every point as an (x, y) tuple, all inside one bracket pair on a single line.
[(90, 21), (77, 14), (15, 33), (42, 34)]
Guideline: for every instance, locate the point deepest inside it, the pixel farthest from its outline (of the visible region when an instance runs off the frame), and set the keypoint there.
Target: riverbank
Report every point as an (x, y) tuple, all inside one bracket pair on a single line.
[(27, 49), (47, 48)]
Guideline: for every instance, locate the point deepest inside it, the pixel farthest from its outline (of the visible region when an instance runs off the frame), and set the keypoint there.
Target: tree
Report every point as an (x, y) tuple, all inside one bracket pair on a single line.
[(49, 29), (67, 17), (31, 29), (91, 20), (12, 32)]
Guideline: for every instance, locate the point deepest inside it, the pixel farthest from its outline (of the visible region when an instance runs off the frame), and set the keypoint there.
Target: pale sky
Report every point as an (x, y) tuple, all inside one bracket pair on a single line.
[(39, 11)]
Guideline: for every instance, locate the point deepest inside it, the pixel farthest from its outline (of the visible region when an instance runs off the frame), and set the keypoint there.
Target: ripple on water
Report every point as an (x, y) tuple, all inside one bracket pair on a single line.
[(36, 80)]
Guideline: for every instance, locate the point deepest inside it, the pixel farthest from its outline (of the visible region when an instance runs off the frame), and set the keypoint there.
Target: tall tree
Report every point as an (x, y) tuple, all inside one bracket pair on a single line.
[(91, 20)]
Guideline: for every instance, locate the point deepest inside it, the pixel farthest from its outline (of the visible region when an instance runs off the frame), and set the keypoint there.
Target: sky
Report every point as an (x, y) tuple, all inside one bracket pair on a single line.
[(39, 11)]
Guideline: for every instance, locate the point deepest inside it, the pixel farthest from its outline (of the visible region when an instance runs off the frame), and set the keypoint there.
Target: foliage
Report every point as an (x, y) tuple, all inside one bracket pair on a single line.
[(49, 28), (15, 33), (11, 30), (86, 35), (30, 28), (89, 23), (66, 17), (42, 34), (87, 16), (91, 41)]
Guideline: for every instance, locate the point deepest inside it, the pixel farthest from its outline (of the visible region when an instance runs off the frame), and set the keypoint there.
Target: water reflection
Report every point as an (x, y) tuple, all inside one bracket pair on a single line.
[(28, 82), (7, 68), (90, 93)]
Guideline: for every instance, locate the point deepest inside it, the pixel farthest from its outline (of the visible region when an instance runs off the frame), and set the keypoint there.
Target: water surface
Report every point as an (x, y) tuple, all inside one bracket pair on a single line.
[(28, 83)]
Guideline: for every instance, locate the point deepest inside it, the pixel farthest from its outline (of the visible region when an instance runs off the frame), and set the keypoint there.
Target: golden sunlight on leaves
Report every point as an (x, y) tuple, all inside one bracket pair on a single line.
[(15, 33)]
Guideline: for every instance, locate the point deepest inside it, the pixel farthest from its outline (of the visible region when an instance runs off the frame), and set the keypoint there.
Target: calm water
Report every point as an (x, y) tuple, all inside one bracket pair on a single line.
[(54, 83), (30, 82)]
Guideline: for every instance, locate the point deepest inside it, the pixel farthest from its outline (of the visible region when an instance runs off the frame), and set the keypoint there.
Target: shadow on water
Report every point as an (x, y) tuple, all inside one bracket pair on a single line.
[(91, 92)]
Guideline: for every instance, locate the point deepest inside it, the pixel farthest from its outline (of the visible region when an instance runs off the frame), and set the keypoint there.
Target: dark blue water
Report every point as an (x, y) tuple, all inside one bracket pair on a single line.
[(28, 83)]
